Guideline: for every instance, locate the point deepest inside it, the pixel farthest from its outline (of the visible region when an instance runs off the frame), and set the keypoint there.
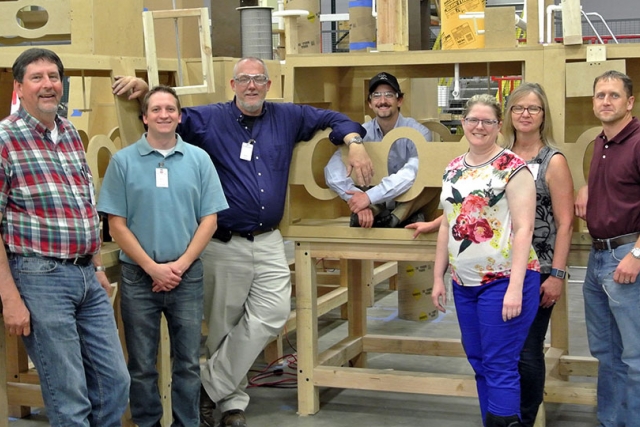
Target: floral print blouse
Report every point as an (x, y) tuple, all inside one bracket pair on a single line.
[(480, 228)]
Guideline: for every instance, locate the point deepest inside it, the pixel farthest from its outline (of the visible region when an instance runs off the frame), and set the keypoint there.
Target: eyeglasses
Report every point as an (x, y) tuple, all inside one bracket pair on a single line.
[(387, 95), (472, 121), (257, 79), (531, 109)]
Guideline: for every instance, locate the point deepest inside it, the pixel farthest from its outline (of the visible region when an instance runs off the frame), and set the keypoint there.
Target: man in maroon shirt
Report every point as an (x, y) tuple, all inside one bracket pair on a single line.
[(611, 206)]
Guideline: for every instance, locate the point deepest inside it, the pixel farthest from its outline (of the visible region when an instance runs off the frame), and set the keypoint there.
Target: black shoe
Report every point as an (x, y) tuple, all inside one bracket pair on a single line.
[(207, 406), (514, 423), (353, 221), (382, 220), (415, 217), (386, 221), (498, 421), (233, 418)]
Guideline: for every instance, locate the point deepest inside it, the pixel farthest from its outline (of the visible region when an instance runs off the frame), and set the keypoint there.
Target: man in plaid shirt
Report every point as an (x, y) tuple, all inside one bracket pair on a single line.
[(52, 283)]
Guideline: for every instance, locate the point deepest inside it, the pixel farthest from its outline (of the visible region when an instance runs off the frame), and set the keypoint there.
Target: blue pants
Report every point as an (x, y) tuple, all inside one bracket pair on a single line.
[(612, 313), (73, 342), (141, 311), (492, 345), (531, 366)]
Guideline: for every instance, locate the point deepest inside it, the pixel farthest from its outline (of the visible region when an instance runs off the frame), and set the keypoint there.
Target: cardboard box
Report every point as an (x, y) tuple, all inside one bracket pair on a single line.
[(415, 283), (459, 33), (309, 40)]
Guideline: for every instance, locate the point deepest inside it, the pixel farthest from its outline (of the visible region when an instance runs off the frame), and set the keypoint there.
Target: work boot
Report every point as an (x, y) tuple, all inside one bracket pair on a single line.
[(233, 418), (207, 406)]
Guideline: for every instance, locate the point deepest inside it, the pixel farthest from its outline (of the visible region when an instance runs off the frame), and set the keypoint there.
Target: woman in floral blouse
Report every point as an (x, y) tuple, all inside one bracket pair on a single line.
[(489, 199)]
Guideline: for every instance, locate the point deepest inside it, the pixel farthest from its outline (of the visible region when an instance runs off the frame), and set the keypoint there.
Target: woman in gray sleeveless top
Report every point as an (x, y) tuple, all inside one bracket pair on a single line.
[(528, 132)]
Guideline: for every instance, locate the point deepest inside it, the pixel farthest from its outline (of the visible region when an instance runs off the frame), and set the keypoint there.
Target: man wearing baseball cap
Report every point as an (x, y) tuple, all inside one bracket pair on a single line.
[(375, 206)]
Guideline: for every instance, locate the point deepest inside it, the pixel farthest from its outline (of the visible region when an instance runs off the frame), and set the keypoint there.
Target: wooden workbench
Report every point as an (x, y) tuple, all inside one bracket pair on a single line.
[(344, 364)]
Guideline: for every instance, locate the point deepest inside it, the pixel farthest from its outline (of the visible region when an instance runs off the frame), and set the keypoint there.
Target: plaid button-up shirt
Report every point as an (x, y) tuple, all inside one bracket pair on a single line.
[(46, 190)]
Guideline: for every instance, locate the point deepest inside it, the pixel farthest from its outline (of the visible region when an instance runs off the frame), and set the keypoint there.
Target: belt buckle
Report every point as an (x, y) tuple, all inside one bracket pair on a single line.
[(82, 260), (601, 244)]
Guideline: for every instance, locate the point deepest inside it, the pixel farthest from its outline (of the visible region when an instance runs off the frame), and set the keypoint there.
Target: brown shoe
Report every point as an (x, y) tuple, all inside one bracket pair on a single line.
[(207, 406), (233, 418)]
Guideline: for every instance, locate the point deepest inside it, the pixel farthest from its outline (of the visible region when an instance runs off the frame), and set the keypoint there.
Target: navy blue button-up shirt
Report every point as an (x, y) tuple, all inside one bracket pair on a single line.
[(256, 189)]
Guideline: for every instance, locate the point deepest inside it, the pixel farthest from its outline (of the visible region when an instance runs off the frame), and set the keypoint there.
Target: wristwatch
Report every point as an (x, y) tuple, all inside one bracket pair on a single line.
[(560, 274), (355, 140), (635, 252), (100, 268)]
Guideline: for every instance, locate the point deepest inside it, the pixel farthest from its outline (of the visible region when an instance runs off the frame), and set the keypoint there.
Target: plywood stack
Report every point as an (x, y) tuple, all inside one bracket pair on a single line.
[(393, 25)]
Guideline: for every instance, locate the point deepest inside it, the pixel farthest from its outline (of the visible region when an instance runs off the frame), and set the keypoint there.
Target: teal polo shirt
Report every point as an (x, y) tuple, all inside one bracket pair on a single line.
[(163, 219)]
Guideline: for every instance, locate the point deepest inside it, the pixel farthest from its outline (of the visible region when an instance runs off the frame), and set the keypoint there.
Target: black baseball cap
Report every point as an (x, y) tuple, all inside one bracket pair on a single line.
[(384, 78)]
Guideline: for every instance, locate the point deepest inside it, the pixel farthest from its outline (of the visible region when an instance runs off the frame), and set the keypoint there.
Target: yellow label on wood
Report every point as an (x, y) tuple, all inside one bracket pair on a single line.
[(410, 270)]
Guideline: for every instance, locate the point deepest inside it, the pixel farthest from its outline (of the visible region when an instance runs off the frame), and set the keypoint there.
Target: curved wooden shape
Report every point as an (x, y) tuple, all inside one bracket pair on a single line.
[(304, 156), (434, 157), (114, 133), (443, 131), (579, 155), (58, 22), (84, 137), (96, 144)]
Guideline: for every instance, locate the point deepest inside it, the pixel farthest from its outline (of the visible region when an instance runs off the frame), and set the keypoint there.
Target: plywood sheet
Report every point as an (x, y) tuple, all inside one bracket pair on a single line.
[(580, 75)]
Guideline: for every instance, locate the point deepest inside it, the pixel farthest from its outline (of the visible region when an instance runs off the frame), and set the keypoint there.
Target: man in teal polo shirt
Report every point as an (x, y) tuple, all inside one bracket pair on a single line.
[(162, 196)]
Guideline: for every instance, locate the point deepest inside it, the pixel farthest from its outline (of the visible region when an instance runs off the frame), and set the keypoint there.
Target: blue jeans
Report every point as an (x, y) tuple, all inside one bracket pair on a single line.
[(492, 345), (531, 366), (612, 313), (141, 311), (73, 342)]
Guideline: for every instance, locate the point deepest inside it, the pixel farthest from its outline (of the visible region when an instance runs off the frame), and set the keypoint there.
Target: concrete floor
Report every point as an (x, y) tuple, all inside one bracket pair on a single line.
[(277, 407)]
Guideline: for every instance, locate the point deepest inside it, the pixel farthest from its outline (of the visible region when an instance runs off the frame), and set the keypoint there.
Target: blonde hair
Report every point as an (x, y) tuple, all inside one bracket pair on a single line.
[(546, 127), (484, 99)]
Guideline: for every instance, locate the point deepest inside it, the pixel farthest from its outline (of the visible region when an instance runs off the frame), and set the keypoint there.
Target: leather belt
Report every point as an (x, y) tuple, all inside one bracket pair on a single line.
[(225, 235), (251, 234), (614, 242), (82, 260)]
